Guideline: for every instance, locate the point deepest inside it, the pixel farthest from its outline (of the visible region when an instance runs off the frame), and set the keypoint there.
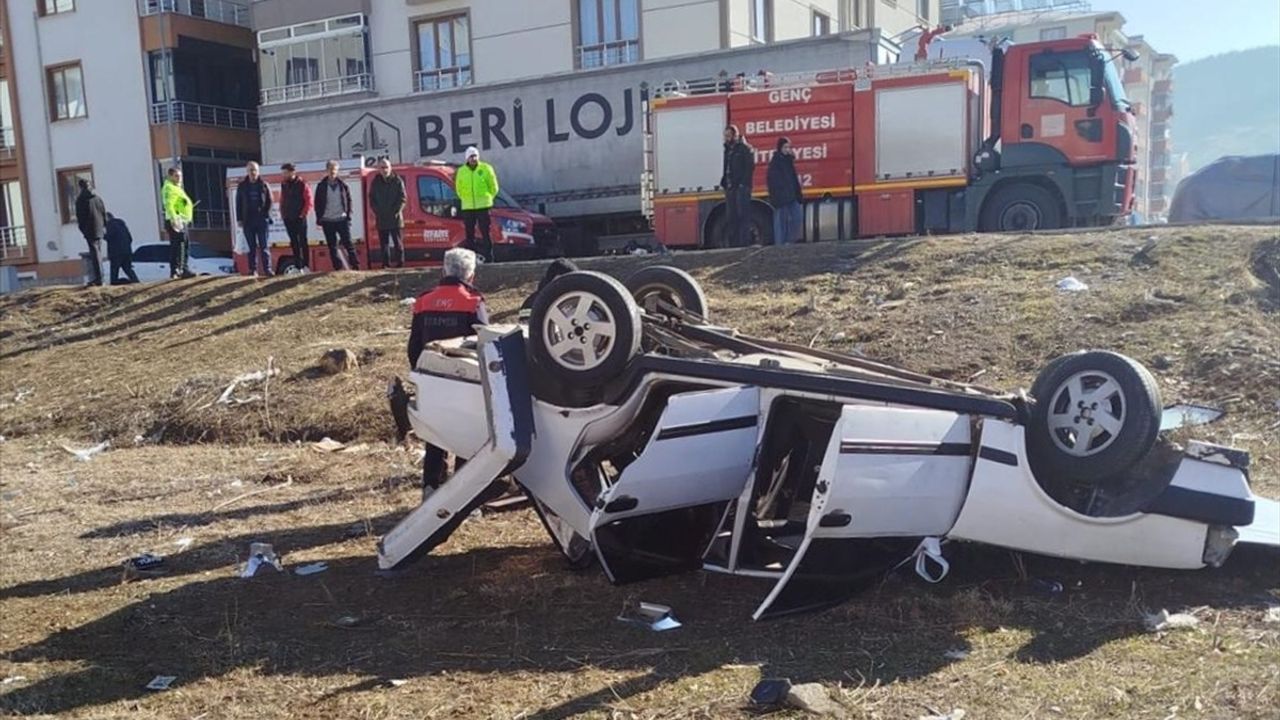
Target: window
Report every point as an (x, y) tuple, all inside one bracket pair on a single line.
[(444, 53), (56, 7), (608, 32), (922, 8), (821, 24), (761, 20), (1054, 33), (435, 196), (7, 139), (206, 183), (1065, 77), (68, 188), (11, 212), (152, 254), (314, 59), (66, 92)]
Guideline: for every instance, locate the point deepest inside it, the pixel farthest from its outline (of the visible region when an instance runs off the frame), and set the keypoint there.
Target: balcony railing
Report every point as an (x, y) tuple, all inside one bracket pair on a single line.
[(223, 11), (619, 52), (441, 79), (317, 89), (13, 240), (211, 219), (8, 144), (181, 111)]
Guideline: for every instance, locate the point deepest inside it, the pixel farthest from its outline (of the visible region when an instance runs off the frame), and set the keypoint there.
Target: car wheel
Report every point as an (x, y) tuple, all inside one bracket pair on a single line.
[(584, 329), (670, 285), (1021, 208), (1096, 415), (286, 266)]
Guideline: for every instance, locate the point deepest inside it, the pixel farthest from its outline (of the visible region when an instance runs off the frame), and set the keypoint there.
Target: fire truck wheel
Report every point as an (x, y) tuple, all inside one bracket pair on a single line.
[(1021, 207), (1096, 415), (759, 230), (584, 329), (670, 285)]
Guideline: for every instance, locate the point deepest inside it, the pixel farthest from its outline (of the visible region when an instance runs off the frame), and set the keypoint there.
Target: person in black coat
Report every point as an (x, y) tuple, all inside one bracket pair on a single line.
[(253, 210), (785, 194), (91, 217), (120, 251), (739, 171)]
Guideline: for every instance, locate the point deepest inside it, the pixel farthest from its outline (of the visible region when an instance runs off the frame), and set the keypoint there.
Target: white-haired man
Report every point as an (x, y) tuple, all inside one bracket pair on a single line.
[(449, 310)]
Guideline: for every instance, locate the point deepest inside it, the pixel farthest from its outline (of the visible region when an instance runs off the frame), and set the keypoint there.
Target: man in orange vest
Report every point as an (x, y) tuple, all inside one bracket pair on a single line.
[(449, 310)]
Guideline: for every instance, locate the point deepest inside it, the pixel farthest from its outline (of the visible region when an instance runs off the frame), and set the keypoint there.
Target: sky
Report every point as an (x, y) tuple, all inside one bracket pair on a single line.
[(1193, 29)]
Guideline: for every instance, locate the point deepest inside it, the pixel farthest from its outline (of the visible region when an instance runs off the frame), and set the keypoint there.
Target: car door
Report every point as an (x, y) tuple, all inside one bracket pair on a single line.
[(430, 226), (151, 262), (890, 477), (662, 512)]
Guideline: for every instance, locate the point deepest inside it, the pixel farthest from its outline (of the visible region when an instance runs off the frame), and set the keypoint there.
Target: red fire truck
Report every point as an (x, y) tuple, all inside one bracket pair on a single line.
[(432, 218), (1015, 137)]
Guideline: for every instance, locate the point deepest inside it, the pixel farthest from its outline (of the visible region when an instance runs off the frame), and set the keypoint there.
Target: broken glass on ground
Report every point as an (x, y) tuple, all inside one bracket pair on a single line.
[(651, 615), (261, 554), (161, 682), (1188, 415)]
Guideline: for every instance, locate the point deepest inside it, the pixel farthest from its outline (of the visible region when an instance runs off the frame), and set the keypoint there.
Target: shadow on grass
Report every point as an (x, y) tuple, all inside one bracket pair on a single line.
[(515, 610)]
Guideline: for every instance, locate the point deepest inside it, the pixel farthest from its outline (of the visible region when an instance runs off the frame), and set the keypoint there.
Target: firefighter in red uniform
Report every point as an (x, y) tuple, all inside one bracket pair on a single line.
[(449, 310)]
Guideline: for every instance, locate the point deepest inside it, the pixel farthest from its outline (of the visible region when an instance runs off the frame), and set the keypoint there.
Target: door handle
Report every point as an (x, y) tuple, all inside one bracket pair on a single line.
[(835, 519), (622, 503), (1028, 131)]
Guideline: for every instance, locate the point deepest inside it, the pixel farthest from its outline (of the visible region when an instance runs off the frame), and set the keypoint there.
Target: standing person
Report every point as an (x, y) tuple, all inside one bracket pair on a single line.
[(387, 199), (178, 213), (91, 216), (333, 213), (447, 311), (295, 203), (785, 194), (477, 186), (120, 250), (739, 171), (253, 210)]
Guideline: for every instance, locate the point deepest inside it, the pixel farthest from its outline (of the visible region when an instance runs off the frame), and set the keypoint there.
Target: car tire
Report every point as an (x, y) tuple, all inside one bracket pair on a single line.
[(1096, 415), (1022, 207), (285, 266), (584, 330), (671, 285)]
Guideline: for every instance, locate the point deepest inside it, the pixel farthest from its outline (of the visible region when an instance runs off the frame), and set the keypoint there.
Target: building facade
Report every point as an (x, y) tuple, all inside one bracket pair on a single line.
[(162, 82), (1148, 81)]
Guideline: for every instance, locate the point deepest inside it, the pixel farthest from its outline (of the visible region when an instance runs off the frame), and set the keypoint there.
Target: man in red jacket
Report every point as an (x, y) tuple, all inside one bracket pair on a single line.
[(449, 310), (295, 205)]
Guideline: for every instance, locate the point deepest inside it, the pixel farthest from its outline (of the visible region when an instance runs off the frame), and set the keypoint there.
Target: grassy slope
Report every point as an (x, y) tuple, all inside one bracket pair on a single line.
[(494, 626)]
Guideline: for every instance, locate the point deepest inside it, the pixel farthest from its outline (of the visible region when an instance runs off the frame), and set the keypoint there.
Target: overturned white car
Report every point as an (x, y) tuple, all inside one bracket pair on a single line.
[(657, 442)]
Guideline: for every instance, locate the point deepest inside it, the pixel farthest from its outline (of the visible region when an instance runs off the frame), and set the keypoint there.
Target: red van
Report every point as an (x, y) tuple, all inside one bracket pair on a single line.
[(432, 218)]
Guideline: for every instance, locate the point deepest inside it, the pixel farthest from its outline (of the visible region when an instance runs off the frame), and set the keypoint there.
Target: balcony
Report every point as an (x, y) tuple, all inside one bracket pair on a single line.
[(441, 79), (1162, 87), (181, 111), (317, 89), (211, 220), (222, 11), (8, 145), (619, 52), (13, 243), (1134, 76)]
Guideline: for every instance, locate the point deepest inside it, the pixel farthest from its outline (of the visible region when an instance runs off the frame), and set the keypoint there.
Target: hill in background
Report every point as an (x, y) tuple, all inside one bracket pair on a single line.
[(1227, 104)]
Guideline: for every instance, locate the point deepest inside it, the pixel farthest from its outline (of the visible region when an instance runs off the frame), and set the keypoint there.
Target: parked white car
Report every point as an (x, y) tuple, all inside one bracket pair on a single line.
[(151, 262), (656, 442)]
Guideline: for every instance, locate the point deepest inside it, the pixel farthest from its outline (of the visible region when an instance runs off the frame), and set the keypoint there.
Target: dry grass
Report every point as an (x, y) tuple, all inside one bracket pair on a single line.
[(493, 625)]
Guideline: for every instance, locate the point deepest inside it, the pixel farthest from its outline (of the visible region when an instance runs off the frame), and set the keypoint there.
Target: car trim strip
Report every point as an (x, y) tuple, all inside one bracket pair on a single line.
[(1205, 507), (706, 428), (861, 447), (998, 456)]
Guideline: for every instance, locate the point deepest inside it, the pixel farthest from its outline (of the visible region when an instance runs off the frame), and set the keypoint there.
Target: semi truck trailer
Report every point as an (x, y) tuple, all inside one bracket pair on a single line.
[(999, 138)]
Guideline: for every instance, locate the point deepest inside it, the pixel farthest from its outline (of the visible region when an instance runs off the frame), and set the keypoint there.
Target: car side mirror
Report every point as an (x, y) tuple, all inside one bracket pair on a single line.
[(1131, 55)]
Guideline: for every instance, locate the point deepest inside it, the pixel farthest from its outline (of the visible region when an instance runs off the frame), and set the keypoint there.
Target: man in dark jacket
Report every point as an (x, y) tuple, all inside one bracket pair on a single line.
[(295, 203), (120, 250), (785, 194), (333, 213), (739, 171), (91, 216), (253, 210), (449, 310), (387, 199)]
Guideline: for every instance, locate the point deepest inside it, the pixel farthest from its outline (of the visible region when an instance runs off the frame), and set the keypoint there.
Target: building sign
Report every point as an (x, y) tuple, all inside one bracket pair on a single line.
[(372, 137)]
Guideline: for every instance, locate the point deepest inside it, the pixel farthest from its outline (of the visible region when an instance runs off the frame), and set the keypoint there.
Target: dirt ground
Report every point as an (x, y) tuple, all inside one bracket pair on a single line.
[(493, 624)]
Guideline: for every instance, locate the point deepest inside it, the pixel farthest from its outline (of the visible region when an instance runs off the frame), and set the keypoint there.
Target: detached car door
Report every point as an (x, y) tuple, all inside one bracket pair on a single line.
[(663, 511)]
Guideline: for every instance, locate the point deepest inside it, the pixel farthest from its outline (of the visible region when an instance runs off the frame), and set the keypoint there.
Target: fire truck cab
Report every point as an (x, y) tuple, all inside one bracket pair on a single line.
[(1014, 138)]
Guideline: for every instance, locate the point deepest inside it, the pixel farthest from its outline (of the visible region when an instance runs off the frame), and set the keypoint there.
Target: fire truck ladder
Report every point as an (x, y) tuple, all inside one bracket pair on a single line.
[(772, 81)]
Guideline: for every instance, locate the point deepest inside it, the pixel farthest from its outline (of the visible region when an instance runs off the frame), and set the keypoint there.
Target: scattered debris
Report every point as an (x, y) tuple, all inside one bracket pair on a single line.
[(956, 654), (408, 301), (183, 543), (1163, 621), (956, 714), (86, 455), (338, 360), (312, 569), (813, 698), (13, 679), (508, 503), (348, 621), (1187, 415), (254, 377), (288, 482), (770, 692), (651, 615), (397, 682), (1046, 587), (355, 530), (1273, 615), (143, 566), (328, 444), (839, 336), (1161, 362), (1071, 284), (161, 682), (261, 554), (354, 449)]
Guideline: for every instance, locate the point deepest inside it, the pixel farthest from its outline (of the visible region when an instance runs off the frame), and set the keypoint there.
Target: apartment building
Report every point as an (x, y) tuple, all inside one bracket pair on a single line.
[(115, 92), (1147, 81), (391, 48)]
